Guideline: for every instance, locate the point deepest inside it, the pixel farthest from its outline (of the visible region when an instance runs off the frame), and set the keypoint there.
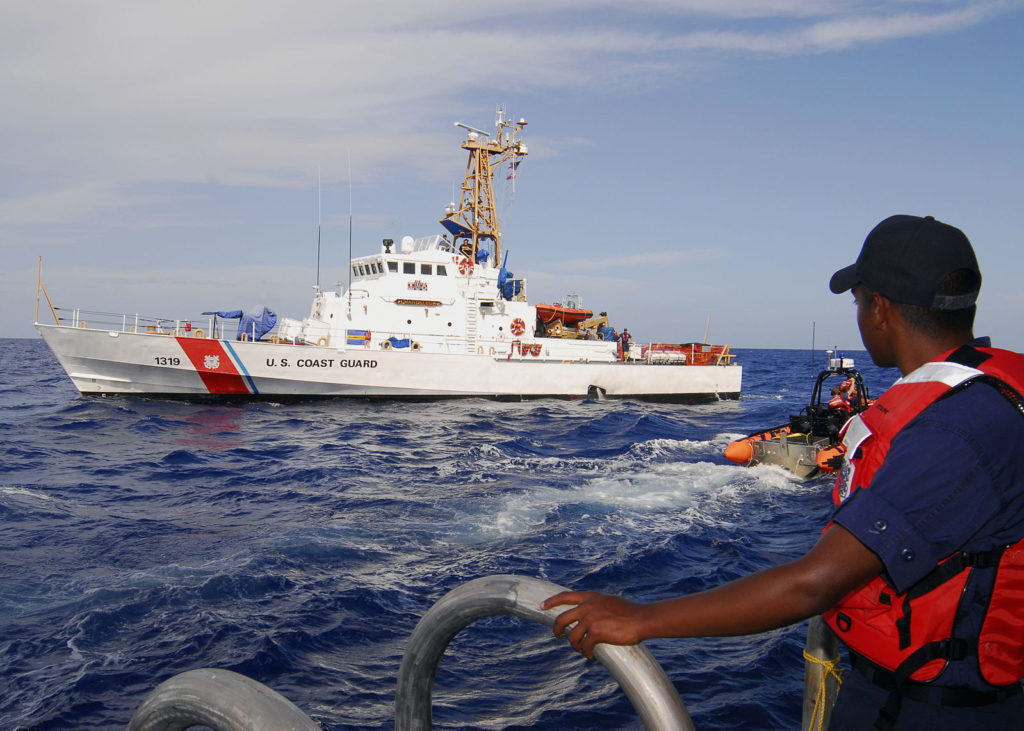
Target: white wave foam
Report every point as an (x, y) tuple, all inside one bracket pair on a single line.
[(680, 492), (24, 491)]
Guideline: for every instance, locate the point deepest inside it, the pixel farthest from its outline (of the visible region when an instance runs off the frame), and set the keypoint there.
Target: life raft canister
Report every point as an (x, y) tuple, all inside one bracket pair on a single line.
[(911, 634)]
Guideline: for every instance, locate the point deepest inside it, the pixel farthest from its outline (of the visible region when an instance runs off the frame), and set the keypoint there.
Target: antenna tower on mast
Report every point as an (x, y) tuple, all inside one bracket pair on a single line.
[(474, 219)]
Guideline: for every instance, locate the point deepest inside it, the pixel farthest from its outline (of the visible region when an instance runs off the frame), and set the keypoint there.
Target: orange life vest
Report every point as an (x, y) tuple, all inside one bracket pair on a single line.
[(838, 402), (911, 634)]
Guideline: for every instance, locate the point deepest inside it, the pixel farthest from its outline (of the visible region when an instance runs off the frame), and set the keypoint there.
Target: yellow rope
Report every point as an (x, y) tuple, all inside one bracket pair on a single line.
[(819, 702)]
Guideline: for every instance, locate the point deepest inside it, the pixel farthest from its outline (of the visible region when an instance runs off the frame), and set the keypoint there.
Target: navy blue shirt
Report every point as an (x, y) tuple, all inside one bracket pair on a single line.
[(953, 480)]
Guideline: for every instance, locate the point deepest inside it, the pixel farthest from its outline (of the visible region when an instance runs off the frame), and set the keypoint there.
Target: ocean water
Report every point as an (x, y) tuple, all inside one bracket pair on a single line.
[(299, 544)]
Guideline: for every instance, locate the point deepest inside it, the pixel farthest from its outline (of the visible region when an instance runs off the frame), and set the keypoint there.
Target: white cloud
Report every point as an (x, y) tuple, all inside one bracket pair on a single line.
[(103, 95), (59, 206)]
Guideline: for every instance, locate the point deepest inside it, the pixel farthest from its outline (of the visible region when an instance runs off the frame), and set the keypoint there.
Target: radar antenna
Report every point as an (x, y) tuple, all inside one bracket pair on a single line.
[(474, 130)]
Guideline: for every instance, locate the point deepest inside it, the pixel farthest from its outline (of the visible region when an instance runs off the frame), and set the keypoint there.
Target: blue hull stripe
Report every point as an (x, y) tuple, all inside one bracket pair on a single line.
[(241, 367)]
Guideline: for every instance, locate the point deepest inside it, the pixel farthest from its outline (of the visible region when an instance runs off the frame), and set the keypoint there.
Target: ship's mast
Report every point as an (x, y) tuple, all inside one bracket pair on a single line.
[(474, 220)]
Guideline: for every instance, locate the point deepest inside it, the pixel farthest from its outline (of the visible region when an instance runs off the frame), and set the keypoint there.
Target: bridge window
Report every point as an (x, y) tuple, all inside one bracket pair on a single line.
[(408, 268), (442, 271), (393, 266), (426, 269)]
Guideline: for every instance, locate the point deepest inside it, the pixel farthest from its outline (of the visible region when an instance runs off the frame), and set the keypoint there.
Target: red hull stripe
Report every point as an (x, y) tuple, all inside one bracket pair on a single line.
[(213, 365)]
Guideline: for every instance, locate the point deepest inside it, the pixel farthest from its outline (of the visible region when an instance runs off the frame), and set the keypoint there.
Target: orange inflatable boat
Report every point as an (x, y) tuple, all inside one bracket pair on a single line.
[(809, 443)]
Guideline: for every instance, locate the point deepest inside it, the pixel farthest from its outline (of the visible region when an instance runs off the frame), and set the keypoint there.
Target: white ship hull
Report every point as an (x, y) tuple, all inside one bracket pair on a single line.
[(114, 362)]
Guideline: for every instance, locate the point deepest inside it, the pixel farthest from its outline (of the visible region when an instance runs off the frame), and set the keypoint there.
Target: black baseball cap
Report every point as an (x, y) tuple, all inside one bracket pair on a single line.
[(904, 258)]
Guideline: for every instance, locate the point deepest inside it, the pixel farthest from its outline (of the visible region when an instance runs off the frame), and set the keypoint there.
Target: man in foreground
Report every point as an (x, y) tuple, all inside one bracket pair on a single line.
[(920, 573)]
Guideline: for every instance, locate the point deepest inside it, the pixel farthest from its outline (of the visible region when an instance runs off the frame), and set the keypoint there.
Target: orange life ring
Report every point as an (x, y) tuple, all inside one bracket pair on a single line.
[(465, 265), (518, 326)]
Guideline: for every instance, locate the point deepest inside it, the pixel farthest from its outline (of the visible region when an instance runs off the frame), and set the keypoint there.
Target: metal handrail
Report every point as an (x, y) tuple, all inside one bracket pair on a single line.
[(635, 669), (821, 687), (226, 701), (218, 699)]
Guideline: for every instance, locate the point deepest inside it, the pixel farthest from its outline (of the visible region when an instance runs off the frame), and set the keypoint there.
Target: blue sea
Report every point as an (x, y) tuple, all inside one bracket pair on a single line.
[(300, 543)]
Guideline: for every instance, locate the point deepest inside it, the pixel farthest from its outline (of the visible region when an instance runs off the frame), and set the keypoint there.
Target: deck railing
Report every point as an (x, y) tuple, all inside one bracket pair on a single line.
[(145, 324)]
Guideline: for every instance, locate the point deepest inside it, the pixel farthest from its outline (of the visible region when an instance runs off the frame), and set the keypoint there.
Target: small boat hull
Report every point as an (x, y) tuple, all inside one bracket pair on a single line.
[(797, 453), (804, 455), (568, 316)]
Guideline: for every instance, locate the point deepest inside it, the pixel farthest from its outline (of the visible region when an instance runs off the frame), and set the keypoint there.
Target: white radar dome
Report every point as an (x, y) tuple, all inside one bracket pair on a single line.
[(407, 244)]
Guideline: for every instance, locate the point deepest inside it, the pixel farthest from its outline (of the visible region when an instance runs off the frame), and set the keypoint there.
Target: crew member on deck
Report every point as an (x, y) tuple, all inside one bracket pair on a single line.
[(920, 572), (624, 341)]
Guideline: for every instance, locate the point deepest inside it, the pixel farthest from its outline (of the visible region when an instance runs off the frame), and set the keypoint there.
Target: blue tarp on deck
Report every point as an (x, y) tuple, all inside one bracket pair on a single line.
[(254, 322)]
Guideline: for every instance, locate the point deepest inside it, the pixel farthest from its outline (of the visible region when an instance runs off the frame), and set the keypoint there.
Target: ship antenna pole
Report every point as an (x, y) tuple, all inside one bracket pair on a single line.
[(349, 229), (319, 207)]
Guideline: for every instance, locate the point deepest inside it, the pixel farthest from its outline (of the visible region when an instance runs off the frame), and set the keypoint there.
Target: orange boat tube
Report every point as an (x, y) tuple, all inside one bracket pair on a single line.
[(741, 451)]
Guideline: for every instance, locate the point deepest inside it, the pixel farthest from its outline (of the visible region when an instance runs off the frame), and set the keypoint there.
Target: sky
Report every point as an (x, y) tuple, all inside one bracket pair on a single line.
[(695, 166)]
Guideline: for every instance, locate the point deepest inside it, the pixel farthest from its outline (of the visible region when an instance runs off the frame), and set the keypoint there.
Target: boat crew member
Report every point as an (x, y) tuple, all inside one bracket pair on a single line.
[(849, 391), (624, 340), (837, 401), (921, 570)]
